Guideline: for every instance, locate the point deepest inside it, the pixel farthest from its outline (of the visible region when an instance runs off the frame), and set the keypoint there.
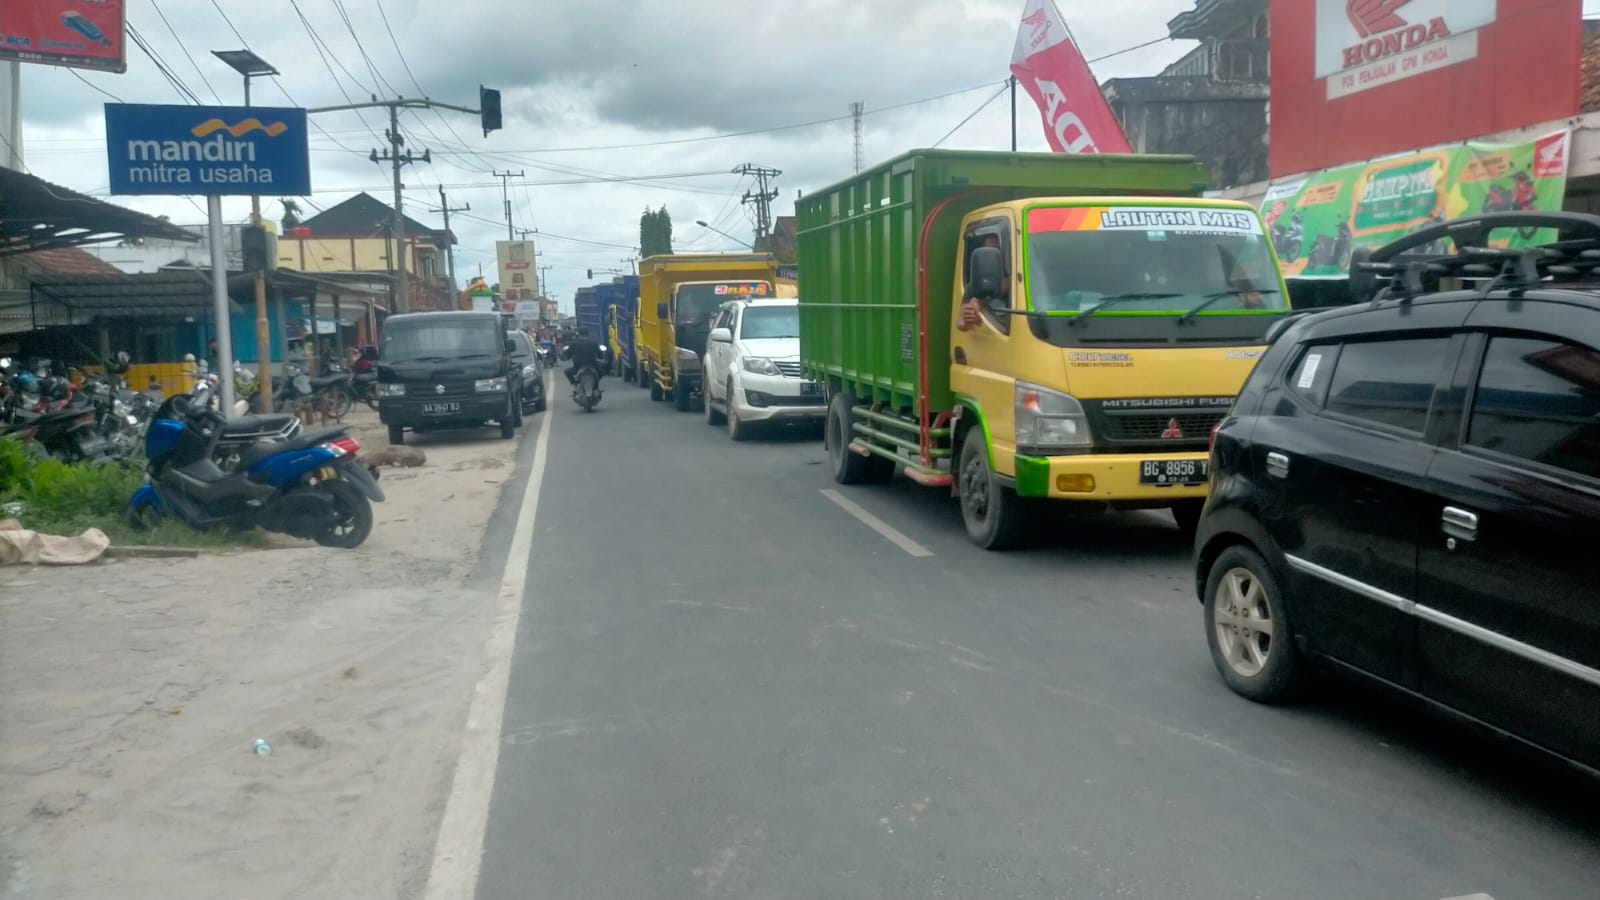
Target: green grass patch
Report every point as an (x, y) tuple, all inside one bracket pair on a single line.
[(62, 498)]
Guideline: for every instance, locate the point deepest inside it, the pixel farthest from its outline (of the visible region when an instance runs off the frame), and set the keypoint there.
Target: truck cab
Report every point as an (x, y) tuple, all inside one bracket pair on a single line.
[(1105, 340)]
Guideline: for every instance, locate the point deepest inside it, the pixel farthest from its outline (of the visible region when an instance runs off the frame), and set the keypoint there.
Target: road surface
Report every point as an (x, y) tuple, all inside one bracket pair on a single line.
[(728, 683)]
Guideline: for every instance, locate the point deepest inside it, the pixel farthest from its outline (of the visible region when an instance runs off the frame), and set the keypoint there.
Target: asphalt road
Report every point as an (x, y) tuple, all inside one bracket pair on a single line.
[(725, 685)]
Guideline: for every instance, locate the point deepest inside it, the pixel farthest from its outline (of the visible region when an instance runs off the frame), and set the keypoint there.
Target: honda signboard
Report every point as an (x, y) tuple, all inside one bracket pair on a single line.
[(1358, 79)]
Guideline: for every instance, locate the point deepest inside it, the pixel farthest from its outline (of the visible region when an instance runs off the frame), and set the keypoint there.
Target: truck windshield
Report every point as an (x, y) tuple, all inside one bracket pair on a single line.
[(770, 322), (699, 302), (1156, 261), (434, 341)]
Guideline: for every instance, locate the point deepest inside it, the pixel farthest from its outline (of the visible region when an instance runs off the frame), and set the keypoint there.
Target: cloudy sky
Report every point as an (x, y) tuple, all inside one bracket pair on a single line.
[(609, 107)]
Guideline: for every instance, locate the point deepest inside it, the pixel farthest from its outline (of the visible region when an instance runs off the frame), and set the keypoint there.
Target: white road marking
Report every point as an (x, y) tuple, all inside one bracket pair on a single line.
[(458, 851), (893, 535), (1471, 897)]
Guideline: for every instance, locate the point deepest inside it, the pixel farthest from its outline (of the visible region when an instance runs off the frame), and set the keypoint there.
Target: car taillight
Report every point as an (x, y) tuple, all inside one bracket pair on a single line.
[(1212, 446)]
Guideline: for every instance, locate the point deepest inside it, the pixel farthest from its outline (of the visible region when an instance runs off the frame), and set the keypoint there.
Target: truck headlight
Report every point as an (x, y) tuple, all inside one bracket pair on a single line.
[(1049, 420), (688, 360), (761, 365), (391, 390), (489, 385)]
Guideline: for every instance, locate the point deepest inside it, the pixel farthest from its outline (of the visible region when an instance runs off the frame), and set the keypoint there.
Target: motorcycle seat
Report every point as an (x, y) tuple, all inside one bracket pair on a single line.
[(264, 423), (322, 381), (255, 453)]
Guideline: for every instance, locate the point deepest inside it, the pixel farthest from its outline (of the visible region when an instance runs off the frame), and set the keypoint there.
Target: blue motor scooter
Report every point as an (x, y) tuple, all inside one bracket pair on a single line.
[(309, 485)]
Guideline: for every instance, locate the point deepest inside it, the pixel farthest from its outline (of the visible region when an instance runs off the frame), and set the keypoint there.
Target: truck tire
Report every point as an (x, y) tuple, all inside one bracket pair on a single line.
[(639, 374), (847, 466), (995, 516), (656, 393)]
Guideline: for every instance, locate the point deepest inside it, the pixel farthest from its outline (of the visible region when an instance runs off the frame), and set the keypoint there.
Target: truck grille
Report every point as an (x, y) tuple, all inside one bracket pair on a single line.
[(789, 369), (1156, 428)]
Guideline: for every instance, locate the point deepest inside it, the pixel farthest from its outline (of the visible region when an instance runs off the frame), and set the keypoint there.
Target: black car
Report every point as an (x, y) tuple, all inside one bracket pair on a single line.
[(447, 369), (1408, 489), (527, 359)]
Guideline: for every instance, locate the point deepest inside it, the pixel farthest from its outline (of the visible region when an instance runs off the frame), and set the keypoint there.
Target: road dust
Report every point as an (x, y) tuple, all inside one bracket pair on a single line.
[(131, 694)]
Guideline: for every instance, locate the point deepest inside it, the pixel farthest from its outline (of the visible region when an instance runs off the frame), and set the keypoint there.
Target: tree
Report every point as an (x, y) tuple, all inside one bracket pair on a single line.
[(655, 232), (291, 214)]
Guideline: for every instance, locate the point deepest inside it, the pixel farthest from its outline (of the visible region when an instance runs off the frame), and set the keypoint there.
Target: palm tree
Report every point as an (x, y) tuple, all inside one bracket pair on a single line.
[(291, 214)]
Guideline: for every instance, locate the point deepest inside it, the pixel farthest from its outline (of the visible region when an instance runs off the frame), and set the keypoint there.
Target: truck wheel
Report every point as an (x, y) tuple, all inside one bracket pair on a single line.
[(994, 515), (397, 435), (1187, 514), (848, 468), (682, 396), (639, 374)]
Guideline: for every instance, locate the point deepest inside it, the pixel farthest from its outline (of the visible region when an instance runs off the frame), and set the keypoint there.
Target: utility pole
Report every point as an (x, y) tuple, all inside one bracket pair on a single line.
[(762, 197), (542, 270), (401, 299), (450, 244), (1012, 81), (857, 108), (394, 156), (505, 191)]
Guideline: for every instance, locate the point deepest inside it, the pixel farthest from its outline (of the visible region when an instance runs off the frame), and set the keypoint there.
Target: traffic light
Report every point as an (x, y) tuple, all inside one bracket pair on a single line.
[(489, 106), (260, 248)]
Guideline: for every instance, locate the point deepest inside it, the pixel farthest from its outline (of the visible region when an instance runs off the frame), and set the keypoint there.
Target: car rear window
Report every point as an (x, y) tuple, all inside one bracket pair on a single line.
[(1388, 383), (1539, 400)]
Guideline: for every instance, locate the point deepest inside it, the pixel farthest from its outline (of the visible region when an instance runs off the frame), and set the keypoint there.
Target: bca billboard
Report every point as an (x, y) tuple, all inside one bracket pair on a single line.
[(1355, 79)]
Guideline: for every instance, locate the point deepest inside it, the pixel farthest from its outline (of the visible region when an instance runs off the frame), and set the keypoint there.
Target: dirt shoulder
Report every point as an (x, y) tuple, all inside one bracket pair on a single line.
[(131, 693)]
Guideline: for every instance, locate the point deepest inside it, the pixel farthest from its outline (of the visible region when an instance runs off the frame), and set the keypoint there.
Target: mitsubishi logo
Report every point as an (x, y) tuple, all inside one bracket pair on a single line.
[(438, 389), (1173, 431)]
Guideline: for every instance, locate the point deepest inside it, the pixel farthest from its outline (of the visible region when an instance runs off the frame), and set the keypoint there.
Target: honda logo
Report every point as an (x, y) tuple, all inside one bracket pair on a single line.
[(1173, 431), (1372, 17)]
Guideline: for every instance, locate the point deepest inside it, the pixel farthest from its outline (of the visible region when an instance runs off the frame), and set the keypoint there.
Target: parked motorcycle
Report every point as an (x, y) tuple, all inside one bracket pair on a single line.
[(292, 389), (309, 486)]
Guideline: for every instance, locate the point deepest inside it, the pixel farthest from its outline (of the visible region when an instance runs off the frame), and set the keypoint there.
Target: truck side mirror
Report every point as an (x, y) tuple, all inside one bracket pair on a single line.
[(661, 311), (987, 270)]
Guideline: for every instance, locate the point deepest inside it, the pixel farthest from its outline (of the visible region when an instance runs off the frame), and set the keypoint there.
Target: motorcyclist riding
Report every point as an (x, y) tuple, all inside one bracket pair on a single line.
[(583, 352)]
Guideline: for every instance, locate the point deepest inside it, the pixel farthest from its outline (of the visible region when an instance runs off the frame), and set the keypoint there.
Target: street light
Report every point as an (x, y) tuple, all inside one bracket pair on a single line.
[(703, 224), (248, 64)]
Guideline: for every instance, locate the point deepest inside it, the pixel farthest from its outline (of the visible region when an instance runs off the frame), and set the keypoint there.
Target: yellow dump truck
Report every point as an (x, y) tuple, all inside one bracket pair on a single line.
[(679, 294)]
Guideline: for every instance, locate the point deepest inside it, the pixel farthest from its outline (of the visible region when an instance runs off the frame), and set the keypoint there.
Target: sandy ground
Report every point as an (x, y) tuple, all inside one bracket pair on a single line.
[(131, 693)]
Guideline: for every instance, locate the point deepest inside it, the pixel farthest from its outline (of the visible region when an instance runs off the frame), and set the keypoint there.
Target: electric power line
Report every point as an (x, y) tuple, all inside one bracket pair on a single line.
[(970, 116), (161, 66), (181, 46), (377, 78), (1159, 40), (78, 75)]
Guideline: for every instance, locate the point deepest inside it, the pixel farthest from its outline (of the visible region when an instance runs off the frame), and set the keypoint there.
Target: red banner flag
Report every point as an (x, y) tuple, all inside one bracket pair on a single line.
[(1049, 67)]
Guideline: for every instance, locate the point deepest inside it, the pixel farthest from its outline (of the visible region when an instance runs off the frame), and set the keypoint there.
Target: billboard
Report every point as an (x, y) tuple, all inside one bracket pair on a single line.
[(1357, 79), (1317, 220), (209, 150), (84, 35), (518, 277)]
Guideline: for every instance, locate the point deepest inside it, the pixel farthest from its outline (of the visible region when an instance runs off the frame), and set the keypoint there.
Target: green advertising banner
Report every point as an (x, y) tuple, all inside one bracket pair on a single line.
[(1318, 219)]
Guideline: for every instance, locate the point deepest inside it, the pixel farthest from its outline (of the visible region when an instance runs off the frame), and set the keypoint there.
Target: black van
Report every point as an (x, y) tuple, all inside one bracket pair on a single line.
[(447, 370)]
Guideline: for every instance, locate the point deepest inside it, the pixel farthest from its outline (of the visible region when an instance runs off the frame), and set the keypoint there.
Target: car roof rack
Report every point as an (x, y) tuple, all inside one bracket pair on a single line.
[(1398, 269)]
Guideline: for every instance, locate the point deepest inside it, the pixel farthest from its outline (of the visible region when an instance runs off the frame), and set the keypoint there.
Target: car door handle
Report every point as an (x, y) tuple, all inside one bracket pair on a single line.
[(1278, 464), (1460, 523)]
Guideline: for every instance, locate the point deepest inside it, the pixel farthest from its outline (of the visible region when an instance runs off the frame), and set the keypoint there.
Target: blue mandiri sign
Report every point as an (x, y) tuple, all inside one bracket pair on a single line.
[(210, 150)]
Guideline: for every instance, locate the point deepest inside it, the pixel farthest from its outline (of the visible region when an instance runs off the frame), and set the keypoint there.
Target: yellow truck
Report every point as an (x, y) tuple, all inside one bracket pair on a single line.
[(1021, 327), (679, 294)]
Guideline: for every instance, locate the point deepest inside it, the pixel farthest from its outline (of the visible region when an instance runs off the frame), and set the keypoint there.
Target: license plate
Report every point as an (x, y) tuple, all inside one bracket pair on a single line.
[(1174, 471), (810, 389), (442, 408)]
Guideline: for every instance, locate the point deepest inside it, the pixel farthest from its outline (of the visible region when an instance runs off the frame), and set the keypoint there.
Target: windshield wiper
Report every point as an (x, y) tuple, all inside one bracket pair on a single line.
[(1103, 302), (474, 355), (415, 359), (1219, 296)]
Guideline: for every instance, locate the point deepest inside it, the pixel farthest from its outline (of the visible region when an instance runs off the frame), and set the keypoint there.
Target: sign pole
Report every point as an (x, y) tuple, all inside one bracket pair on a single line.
[(263, 324), (219, 297)]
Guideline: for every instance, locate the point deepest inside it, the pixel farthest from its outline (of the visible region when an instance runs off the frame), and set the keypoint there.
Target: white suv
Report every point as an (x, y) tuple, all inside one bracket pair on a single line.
[(752, 367)]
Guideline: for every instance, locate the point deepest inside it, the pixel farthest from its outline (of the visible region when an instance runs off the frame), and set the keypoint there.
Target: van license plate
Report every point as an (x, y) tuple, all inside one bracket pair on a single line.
[(1174, 471), (441, 409)]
